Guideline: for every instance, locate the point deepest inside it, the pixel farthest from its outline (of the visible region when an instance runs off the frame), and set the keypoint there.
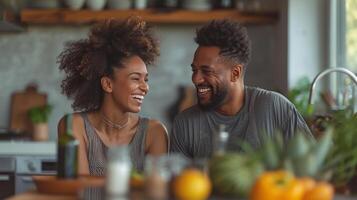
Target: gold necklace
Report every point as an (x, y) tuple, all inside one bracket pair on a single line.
[(114, 125)]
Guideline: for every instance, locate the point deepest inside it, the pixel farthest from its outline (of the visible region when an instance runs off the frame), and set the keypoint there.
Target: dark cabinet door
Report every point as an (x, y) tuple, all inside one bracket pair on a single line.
[(7, 185)]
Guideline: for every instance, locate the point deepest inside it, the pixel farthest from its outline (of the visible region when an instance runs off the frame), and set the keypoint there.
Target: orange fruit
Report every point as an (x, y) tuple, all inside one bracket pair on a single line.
[(192, 184), (322, 191), (277, 185), (308, 183)]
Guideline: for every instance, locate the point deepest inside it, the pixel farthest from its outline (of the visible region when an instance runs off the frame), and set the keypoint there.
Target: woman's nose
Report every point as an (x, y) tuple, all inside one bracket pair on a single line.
[(144, 87)]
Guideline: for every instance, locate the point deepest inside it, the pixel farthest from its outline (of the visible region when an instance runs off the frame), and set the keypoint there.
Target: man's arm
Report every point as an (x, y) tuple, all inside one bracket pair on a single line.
[(296, 124), (284, 115), (291, 121)]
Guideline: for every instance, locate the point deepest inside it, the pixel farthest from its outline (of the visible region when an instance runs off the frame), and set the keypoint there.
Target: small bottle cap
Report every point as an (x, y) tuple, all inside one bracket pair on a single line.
[(223, 134)]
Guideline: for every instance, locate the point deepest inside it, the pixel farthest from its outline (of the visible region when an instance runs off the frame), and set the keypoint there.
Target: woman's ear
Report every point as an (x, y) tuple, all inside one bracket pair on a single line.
[(106, 83), (237, 71)]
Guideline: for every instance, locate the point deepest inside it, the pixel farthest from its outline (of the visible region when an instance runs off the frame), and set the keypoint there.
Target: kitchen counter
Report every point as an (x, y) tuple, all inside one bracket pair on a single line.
[(27, 148)]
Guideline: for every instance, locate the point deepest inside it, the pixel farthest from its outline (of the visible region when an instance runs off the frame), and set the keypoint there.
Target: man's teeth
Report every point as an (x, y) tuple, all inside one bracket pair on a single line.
[(202, 90)]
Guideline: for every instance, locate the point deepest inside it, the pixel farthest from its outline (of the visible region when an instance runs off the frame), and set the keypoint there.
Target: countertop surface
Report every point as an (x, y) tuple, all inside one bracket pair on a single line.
[(33, 195), (8, 148)]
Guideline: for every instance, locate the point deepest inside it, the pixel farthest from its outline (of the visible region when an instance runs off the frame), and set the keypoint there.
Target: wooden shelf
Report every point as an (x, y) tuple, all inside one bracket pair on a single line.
[(65, 16)]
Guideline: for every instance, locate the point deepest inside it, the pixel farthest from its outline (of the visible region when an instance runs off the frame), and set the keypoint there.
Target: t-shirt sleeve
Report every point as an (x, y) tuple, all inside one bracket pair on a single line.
[(178, 140), (290, 120), (295, 123)]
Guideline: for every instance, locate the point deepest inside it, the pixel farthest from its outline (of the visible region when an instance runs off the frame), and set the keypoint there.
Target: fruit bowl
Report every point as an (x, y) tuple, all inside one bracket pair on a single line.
[(54, 185)]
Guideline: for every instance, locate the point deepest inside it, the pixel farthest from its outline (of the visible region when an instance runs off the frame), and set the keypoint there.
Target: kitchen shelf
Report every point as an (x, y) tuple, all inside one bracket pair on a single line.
[(65, 16)]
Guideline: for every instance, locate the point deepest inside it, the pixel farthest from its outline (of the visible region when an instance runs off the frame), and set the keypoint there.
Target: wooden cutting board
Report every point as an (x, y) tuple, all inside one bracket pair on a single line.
[(21, 102)]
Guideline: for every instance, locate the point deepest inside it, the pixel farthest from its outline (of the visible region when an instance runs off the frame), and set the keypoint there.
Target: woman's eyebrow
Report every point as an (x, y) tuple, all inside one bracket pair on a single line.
[(139, 73)]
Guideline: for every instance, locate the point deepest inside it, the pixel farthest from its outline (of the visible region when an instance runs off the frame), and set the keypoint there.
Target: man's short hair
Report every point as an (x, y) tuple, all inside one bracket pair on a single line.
[(230, 36)]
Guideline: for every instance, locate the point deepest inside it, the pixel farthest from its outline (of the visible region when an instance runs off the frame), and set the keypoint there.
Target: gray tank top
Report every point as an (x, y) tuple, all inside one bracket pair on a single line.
[(97, 150)]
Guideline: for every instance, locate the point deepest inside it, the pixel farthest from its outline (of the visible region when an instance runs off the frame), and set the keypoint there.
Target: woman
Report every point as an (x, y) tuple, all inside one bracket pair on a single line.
[(107, 78)]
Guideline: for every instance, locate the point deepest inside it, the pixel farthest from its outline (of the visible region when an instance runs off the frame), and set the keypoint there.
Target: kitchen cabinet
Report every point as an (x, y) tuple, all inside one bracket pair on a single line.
[(65, 16)]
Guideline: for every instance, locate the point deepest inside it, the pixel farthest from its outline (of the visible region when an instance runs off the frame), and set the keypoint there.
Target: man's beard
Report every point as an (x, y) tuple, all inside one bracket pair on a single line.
[(217, 99)]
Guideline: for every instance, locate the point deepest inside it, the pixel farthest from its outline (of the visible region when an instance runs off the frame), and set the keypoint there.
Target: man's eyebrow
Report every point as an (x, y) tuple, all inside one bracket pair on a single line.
[(201, 66)]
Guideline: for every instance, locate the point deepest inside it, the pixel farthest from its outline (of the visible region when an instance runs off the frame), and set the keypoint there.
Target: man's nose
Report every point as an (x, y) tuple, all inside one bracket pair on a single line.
[(197, 77)]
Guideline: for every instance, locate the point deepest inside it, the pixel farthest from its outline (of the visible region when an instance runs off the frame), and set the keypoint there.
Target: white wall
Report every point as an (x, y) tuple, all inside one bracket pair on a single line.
[(307, 38)]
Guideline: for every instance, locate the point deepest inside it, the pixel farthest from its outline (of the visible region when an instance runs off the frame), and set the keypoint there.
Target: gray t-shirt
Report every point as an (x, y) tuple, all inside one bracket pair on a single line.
[(263, 113)]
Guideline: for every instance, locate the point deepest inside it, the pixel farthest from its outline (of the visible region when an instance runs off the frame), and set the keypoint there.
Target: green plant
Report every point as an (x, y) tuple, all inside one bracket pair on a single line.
[(342, 157), (39, 114), (233, 174), (299, 96), (301, 155)]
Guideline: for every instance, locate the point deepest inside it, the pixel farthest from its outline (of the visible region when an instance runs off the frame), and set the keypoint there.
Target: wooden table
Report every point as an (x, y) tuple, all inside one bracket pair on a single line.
[(87, 194), (33, 195)]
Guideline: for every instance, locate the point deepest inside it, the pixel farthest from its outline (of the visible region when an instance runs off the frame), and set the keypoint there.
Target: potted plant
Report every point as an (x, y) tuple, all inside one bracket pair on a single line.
[(39, 118)]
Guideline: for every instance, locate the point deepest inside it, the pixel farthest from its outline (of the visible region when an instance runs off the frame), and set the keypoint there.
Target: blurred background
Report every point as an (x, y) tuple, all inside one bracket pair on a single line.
[(291, 40)]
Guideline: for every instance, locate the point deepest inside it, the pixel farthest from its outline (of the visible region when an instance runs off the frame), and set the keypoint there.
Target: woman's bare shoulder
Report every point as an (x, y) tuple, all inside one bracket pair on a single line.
[(157, 137), (156, 125)]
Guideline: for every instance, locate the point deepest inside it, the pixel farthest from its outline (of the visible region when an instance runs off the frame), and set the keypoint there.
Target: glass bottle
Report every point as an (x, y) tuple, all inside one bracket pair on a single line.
[(67, 152), (220, 140), (118, 171)]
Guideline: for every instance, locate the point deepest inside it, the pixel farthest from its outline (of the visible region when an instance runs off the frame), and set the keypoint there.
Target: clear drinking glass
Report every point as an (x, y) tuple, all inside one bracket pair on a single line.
[(118, 171), (159, 173)]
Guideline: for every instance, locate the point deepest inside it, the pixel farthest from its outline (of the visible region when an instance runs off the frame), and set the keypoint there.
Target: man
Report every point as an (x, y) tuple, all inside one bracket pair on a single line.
[(248, 113)]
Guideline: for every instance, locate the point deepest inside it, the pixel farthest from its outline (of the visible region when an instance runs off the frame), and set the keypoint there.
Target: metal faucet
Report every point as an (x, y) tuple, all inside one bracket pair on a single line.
[(328, 71)]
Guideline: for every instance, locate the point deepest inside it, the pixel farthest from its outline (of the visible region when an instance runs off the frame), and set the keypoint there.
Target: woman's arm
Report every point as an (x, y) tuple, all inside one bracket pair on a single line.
[(157, 141), (78, 128)]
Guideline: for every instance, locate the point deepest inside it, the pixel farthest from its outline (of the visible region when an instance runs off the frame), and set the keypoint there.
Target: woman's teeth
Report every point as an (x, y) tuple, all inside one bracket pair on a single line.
[(139, 98)]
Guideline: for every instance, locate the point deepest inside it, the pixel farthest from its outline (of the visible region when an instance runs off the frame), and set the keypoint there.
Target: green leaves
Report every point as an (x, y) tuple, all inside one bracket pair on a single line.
[(299, 96), (301, 155), (305, 157), (342, 158), (272, 151), (39, 114), (233, 174)]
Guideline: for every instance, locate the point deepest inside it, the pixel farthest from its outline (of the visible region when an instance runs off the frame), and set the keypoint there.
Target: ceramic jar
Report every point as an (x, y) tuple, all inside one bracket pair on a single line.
[(44, 4), (74, 4), (140, 4), (96, 4), (199, 5), (119, 4)]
